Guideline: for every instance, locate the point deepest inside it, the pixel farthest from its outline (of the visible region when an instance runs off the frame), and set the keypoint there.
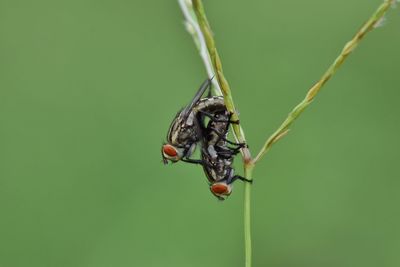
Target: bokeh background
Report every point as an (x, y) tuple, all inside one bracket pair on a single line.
[(87, 92)]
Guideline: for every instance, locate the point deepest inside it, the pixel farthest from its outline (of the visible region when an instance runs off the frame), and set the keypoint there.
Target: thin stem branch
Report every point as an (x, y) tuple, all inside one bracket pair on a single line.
[(247, 216), (371, 24), (223, 83), (193, 28), (237, 129)]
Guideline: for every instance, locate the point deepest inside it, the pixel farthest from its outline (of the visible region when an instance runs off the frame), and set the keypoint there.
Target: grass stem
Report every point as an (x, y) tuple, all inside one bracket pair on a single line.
[(371, 24)]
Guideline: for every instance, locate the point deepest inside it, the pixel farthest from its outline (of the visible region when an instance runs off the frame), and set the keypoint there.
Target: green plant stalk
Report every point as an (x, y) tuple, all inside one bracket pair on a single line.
[(223, 83), (371, 24), (193, 28), (248, 173), (237, 129)]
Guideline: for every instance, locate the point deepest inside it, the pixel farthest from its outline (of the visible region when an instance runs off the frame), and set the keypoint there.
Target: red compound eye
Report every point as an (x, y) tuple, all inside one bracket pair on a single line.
[(220, 189), (170, 150)]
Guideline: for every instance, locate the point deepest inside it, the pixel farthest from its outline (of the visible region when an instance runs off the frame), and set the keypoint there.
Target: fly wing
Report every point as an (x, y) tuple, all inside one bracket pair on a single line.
[(204, 86)]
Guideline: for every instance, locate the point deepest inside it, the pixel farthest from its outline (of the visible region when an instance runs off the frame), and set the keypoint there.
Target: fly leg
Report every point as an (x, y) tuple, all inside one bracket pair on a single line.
[(193, 161), (222, 137), (236, 150), (238, 177), (233, 122), (226, 152)]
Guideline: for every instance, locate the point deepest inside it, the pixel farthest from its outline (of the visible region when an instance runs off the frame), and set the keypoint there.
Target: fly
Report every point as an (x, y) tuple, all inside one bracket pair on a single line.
[(186, 128), (218, 153)]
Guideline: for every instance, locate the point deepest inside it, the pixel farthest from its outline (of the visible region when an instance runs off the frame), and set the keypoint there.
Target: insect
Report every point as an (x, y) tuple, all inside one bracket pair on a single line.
[(185, 130), (218, 153), (189, 128)]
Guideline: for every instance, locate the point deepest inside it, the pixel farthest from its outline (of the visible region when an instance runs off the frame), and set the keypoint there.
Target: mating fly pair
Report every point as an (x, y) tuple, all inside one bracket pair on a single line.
[(189, 128)]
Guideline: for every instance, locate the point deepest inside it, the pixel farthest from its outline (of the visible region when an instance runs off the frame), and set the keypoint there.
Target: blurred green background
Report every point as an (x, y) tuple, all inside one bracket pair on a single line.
[(88, 90)]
